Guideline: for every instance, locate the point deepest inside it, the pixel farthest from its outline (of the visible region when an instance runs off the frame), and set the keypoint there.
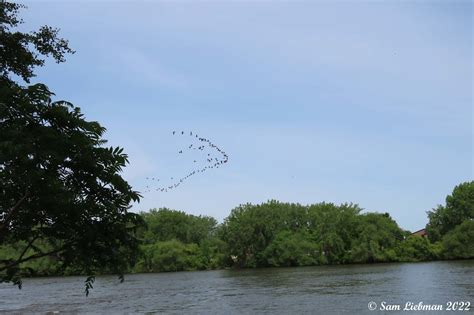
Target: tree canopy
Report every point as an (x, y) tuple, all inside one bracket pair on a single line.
[(459, 208), (21, 52), (64, 206), (61, 192), (276, 234), (282, 234)]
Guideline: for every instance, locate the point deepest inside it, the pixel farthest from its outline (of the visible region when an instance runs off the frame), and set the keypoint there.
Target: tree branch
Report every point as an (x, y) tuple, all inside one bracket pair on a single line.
[(27, 247), (35, 256), (10, 214)]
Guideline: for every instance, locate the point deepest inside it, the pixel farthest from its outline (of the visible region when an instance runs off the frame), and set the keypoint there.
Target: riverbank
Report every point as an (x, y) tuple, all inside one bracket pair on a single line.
[(276, 234), (270, 235)]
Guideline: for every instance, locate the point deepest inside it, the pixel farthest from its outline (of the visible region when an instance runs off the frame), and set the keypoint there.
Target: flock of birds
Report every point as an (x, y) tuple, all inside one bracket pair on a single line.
[(212, 161)]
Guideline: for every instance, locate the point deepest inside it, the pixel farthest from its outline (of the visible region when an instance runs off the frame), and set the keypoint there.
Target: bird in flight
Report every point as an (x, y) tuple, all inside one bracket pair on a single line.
[(204, 143)]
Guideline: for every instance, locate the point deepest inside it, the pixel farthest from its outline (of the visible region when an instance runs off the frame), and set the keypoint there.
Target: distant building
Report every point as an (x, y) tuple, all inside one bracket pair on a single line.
[(421, 233)]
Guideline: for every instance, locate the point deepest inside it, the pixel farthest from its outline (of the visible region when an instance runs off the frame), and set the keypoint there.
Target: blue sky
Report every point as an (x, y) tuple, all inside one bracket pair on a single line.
[(364, 102)]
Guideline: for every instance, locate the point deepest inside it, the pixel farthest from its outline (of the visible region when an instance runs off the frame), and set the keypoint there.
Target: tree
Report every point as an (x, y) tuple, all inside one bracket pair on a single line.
[(415, 248), (459, 207), (21, 52), (334, 228), (376, 233), (249, 229), (165, 225), (293, 249), (459, 242), (300, 235), (61, 193), (171, 256)]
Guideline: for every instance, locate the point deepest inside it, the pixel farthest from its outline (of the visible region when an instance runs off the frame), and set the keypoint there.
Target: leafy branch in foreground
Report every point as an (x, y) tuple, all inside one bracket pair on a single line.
[(60, 186), (21, 52), (61, 193)]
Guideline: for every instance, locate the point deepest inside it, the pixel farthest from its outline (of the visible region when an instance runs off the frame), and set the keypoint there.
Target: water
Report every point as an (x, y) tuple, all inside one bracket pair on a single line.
[(304, 290)]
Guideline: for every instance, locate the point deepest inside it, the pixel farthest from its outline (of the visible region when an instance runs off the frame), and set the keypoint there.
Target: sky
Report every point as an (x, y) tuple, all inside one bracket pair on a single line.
[(363, 102)]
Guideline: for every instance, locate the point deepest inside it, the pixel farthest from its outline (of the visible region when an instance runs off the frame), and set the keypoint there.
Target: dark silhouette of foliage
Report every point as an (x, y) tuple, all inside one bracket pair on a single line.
[(21, 52), (61, 193)]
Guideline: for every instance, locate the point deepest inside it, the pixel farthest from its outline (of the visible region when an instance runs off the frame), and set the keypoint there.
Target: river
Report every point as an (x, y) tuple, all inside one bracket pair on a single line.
[(304, 290)]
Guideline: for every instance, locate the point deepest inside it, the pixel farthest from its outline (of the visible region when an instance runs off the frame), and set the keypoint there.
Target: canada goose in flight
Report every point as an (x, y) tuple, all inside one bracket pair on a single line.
[(218, 162)]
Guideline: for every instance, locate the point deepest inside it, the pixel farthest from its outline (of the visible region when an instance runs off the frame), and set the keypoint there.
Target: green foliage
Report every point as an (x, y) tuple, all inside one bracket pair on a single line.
[(170, 256), (459, 207), (249, 229), (376, 234), (61, 186), (64, 206), (459, 242), (280, 234), (165, 224), (334, 227), (61, 193), (43, 266), (294, 235), (416, 248), (293, 249), (178, 241), (213, 251)]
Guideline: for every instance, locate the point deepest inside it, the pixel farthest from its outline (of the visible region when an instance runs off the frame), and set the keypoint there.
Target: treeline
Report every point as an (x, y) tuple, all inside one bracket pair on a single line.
[(287, 234)]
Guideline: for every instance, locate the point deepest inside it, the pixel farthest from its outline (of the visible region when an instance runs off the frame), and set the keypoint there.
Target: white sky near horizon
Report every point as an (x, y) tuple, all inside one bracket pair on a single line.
[(363, 102)]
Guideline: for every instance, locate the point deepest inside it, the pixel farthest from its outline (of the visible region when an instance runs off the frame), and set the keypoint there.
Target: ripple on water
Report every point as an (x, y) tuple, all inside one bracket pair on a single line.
[(336, 289)]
